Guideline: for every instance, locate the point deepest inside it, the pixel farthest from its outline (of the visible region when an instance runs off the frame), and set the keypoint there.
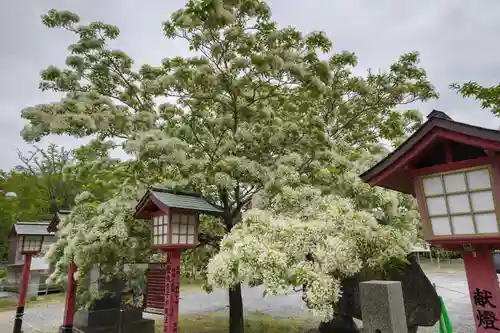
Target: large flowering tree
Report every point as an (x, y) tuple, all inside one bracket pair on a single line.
[(255, 110), (302, 237)]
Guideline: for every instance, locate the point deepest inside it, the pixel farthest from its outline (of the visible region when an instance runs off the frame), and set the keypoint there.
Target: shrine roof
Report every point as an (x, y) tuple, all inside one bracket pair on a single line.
[(173, 198), (54, 223), (438, 123), (31, 228)]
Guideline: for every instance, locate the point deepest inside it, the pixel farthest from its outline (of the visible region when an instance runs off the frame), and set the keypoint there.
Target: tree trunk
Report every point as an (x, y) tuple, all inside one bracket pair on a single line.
[(235, 310)]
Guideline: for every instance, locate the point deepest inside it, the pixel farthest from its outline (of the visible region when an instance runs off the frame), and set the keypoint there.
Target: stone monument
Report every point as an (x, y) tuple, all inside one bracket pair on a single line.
[(106, 315), (422, 304), (382, 307)]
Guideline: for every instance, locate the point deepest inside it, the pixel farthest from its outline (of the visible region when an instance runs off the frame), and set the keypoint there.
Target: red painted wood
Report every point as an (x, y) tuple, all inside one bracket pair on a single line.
[(174, 246), (420, 146), (447, 151), (69, 308), (25, 277), (457, 243), (468, 140), (157, 301), (404, 160), (483, 289), (157, 304), (172, 282), (155, 289), (453, 166)]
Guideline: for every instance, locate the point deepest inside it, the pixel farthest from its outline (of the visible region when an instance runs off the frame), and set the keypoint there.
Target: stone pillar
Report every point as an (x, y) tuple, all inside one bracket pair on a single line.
[(93, 279), (382, 307), (33, 285), (105, 312)]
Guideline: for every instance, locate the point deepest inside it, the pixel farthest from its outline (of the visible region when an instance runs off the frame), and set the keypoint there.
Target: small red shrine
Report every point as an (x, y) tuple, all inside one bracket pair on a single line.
[(453, 170)]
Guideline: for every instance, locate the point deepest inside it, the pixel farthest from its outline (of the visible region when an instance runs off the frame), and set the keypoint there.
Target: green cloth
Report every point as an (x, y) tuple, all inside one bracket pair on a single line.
[(444, 321)]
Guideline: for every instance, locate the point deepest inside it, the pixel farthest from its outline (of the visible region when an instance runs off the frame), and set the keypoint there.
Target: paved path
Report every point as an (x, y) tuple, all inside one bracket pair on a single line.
[(454, 291), (452, 288), (48, 316)]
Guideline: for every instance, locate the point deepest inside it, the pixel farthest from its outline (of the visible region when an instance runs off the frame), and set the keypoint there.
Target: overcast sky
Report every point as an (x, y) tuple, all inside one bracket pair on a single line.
[(456, 39)]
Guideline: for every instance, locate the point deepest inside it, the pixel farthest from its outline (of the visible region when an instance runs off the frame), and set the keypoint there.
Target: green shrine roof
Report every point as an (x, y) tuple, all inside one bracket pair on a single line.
[(157, 198), (31, 228), (183, 200)]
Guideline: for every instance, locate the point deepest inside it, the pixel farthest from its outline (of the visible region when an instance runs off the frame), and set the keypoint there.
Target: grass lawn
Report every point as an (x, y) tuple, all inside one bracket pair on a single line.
[(190, 284), (10, 304), (254, 323)]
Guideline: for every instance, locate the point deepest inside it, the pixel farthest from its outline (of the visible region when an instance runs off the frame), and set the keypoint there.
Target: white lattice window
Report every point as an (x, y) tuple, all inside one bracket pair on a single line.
[(461, 202), (31, 243), (160, 230), (183, 229)]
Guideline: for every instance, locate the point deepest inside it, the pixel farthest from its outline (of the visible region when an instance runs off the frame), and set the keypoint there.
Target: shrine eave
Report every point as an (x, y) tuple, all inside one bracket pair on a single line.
[(391, 172)]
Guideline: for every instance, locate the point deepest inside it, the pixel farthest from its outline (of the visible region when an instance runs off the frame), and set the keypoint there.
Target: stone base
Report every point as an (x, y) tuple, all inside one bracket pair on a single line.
[(105, 312), (142, 326), (104, 321), (100, 318)]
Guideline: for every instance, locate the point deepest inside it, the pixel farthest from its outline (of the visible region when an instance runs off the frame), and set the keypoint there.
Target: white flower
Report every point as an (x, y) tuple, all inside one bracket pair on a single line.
[(333, 240)]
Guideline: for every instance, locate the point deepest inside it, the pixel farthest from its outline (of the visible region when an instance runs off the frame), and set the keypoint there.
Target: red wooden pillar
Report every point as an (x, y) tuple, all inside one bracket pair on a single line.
[(69, 308), (483, 288), (23, 292), (172, 282)]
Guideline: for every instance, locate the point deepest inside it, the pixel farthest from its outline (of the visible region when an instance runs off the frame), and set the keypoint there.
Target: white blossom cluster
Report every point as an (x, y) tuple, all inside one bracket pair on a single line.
[(103, 235), (331, 241)]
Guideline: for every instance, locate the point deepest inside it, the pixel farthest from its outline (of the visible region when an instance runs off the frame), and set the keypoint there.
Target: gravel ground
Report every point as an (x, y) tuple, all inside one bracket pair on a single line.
[(454, 291), (452, 287)]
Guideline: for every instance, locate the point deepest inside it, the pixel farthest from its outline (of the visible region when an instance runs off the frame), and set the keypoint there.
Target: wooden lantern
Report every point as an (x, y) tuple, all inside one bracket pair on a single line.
[(30, 237), (177, 229), (453, 169), (175, 221), (31, 244), (175, 217)]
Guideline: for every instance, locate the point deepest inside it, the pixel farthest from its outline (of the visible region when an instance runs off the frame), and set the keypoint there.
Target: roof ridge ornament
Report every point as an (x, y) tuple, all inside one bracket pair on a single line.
[(438, 114)]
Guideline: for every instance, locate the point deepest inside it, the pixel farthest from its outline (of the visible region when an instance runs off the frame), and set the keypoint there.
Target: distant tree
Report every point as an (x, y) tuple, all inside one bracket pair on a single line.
[(9, 211), (47, 166), (39, 187), (48, 179)]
